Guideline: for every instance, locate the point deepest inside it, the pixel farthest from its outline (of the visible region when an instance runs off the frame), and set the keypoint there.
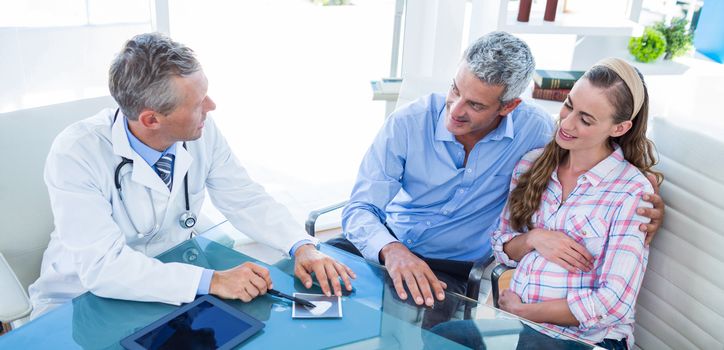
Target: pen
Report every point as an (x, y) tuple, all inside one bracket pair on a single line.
[(301, 301)]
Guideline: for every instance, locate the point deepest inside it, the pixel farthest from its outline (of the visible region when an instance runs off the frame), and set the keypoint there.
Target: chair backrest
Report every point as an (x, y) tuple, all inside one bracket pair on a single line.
[(681, 304), (25, 138)]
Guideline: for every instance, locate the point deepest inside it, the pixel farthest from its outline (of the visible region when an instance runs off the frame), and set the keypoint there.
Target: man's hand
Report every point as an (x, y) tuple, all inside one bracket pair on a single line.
[(403, 265), (558, 248), (308, 259), (245, 282), (656, 214)]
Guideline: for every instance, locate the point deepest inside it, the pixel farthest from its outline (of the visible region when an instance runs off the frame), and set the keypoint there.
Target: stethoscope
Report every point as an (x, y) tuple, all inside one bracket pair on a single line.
[(187, 219)]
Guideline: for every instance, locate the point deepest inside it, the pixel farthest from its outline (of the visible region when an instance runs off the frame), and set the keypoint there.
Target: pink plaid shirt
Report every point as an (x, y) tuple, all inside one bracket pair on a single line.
[(601, 214)]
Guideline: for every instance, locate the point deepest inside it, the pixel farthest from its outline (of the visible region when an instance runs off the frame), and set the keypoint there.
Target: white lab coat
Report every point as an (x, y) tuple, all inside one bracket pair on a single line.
[(94, 246)]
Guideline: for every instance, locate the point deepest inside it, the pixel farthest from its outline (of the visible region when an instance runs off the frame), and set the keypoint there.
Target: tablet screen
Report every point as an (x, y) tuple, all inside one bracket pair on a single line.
[(201, 326)]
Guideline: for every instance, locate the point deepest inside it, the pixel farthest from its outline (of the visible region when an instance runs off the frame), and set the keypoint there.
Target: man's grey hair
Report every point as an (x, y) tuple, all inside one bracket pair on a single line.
[(141, 75), (499, 58)]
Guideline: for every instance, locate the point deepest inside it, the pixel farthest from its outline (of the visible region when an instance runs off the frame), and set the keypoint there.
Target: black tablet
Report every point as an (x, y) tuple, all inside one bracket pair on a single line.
[(205, 323)]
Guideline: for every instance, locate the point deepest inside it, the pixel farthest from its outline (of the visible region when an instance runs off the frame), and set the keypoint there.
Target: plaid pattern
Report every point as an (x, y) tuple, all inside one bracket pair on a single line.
[(600, 213)]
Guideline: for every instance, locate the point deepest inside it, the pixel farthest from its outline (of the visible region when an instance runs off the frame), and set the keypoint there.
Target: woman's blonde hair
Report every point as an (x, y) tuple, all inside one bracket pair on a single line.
[(637, 149)]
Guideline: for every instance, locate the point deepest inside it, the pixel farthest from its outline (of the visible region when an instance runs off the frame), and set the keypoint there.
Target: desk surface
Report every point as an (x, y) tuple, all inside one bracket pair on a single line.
[(374, 318)]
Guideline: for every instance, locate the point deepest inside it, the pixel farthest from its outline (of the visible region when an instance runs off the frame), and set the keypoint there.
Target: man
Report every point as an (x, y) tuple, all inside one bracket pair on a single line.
[(125, 183), (433, 184)]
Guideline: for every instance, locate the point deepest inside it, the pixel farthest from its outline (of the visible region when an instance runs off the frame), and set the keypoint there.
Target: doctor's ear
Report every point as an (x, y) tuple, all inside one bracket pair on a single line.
[(149, 119)]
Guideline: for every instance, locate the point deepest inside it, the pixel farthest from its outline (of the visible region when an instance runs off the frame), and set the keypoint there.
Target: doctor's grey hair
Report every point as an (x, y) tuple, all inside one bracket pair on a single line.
[(499, 58), (141, 75)]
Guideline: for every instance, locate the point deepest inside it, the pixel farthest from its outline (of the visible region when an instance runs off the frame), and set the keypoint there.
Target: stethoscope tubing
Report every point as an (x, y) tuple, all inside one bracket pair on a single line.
[(187, 219)]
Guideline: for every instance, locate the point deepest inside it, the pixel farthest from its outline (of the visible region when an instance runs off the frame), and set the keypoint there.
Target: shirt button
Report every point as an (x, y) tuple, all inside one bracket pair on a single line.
[(428, 223), (469, 170), (584, 233), (461, 191), (409, 241), (445, 212)]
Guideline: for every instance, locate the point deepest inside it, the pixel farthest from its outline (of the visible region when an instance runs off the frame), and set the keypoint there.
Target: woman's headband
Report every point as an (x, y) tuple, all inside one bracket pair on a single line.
[(630, 77)]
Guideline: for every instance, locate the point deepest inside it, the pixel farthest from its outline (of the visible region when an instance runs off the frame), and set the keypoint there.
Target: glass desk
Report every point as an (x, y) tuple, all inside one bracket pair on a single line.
[(374, 317)]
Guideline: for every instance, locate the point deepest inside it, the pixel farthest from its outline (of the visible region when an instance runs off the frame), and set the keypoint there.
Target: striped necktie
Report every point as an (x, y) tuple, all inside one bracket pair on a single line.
[(163, 169)]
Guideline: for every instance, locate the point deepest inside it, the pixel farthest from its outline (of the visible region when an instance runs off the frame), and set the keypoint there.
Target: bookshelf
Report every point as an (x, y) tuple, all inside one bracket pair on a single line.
[(593, 35), (501, 15), (568, 24)]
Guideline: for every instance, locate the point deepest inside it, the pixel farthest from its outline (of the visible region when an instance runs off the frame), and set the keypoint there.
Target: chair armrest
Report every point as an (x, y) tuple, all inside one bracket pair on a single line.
[(314, 214), (476, 275), (14, 303), (500, 277)]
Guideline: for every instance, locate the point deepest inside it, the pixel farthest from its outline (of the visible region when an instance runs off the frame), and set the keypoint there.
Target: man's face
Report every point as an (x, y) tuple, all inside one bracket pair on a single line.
[(186, 122), (473, 107)]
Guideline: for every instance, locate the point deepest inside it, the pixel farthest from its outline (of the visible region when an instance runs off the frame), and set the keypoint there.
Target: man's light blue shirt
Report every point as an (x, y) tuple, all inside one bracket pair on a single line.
[(151, 156), (413, 179)]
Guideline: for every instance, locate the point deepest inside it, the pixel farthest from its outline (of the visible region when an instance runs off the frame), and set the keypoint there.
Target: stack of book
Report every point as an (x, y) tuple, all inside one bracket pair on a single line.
[(554, 85)]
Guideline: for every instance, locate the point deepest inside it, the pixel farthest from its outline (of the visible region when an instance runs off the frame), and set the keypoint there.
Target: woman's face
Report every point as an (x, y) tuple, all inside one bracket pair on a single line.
[(586, 119)]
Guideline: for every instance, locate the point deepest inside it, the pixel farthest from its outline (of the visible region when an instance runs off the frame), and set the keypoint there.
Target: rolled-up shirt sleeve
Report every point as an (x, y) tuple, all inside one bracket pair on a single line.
[(378, 181), (623, 267)]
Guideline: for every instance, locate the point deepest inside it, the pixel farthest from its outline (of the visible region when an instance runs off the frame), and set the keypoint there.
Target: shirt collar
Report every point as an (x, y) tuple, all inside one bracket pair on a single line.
[(441, 131), (605, 167), (150, 155), (504, 130)]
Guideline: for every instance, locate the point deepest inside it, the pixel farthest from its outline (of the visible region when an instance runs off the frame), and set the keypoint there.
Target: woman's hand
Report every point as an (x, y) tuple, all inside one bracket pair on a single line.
[(559, 248), (510, 302)]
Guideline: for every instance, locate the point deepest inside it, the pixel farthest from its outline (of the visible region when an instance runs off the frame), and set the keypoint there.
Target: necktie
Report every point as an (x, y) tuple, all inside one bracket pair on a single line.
[(163, 169)]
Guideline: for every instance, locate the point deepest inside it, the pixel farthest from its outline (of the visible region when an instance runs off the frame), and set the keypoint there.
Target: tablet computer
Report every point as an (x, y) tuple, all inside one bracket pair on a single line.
[(205, 323)]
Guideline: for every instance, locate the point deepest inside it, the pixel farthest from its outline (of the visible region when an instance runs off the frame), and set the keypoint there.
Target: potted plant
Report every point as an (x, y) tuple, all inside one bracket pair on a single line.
[(679, 39), (648, 47)]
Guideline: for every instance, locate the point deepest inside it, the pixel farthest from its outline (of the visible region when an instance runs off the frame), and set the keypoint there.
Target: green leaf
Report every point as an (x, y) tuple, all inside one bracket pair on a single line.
[(648, 47)]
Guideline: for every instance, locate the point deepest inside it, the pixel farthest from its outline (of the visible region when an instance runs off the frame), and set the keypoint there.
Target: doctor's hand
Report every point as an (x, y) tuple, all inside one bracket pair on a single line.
[(402, 265), (308, 260), (656, 214), (246, 282)]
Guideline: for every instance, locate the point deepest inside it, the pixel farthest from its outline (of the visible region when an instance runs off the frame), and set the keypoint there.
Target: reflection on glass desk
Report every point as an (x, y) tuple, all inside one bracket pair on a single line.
[(374, 317)]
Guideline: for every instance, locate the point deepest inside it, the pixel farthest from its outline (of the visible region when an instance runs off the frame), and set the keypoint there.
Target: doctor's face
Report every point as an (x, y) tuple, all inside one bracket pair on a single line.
[(186, 122)]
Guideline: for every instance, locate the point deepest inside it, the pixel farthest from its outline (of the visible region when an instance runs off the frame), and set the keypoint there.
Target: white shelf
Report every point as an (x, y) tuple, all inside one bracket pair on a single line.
[(571, 24), (567, 23)]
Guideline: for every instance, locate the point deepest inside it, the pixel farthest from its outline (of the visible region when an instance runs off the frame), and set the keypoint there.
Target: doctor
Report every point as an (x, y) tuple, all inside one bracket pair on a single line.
[(124, 186)]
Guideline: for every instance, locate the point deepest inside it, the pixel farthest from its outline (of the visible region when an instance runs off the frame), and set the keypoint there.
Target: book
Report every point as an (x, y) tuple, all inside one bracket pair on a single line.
[(556, 79), (550, 94), (550, 12), (524, 10)]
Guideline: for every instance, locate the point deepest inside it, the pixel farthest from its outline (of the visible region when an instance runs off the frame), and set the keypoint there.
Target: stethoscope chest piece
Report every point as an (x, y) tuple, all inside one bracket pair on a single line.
[(187, 219)]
